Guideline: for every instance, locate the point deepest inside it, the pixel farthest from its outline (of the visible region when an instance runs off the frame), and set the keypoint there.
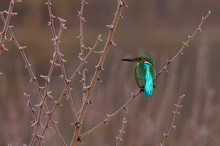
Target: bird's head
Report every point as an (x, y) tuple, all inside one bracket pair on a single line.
[(146, 59)]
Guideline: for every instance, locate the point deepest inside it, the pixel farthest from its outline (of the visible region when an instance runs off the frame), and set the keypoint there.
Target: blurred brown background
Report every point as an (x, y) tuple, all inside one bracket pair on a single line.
[(153, 27)]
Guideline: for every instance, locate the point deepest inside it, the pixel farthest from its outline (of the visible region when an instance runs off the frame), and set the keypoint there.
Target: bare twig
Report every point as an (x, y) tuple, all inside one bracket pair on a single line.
[(110, 116), (56, 54), (82, 47), (31, 107), (6, 25), (172, 125), (121, 132), (185, 44), (99, 68)]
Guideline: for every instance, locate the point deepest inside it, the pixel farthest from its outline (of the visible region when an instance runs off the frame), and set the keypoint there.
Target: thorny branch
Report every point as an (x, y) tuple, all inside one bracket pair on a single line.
[(56, 55), (82, 47), (121, 132), (185, 44), (99, 68), (172, 126), (31, 107), (6, 25)]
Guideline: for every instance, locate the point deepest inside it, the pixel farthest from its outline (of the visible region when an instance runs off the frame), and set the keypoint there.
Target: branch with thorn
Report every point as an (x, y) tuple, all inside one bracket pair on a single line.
[(185, 44), (96, 76), (172, 125), (6, 25), (121, 132)]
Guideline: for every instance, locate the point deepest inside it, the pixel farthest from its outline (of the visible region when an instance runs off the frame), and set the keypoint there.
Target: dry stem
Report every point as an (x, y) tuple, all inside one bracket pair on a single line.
[(172, 125), (185, 44), (82, 47), (6, 25), (99, 68), (121, 132), (56, 54)]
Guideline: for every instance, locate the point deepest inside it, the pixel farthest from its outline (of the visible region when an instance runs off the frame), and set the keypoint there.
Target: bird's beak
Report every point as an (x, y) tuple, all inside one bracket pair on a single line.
[(129, 59)]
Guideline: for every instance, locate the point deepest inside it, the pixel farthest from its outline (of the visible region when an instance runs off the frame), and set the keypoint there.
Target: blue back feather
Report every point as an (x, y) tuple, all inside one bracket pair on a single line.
[(148, 88)]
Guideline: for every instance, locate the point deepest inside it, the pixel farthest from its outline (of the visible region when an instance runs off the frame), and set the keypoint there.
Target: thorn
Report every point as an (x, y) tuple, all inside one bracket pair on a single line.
[(181, 97), (79, 13), (33, 79), (54, 63), (61, 76), (185, 44), (83, 19), (179, 106), (41, 87), (114, 44), (79, 36), (99, 67), (49, 23), (34, 123), (64, 27), (45, 78), (165, 135), (190, 37), (53, 16), (100, 37), (48, 3), (27, 65), (77, 124), (40, 136), (13, 14), (126, 109), (99, 80), (58, 103), (61, 19), (22, 47), (85, 2), (2, 48), (49, 94), (98, 52), (55, 38), (39, 105), (11, 38), (110, 26), (67, 81), (63, 60)]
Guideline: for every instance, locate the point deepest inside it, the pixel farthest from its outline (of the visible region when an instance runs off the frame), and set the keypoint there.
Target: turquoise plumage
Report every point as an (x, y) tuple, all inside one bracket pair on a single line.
[(145, 73), (148, 88)]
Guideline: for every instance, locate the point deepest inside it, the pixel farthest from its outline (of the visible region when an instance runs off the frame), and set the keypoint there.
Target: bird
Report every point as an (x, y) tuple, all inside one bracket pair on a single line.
[(145, 73)]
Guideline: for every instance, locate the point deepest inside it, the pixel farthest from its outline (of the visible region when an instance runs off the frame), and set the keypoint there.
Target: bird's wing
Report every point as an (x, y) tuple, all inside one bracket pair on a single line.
[(139, 77)]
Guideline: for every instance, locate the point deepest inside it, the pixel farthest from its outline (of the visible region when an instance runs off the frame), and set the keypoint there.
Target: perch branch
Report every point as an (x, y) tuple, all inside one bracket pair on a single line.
[(99, 68), (110, 116), (172, 126), (185, 44)]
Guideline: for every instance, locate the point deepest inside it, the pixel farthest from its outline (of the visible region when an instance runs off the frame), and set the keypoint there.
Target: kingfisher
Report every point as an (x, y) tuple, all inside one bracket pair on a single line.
[(145, 73)]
